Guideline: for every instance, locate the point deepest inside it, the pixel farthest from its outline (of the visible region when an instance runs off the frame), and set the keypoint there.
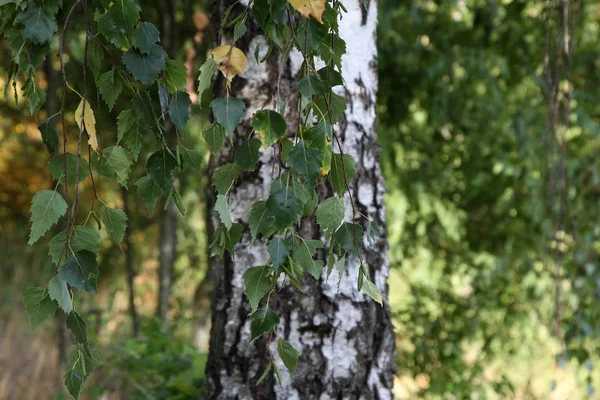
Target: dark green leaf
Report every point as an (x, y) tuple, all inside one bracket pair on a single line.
[(263, 321), (284, 206), (223, 210), (349, 237), (115, 221), (149, 192), (260, 222), (330, 214), (305, 163), (310, 36), (39, 25), (207, 70), (82, 238), (303, 257), (239, 30), (279, 249), (145, 67), (56, 167), (145, 36), (159, 167), (78, 327), (81, 271), (175, 75), (47, 206), (110, 86), (58, 291), (248, 154), (126, 13), (74, 382), (323, 105), (342, 172), (269, 125), (288, 354), (331, 76), (49, 135), (319, 135), (179, 109), (228, 112), (311, 85), (115, 158), (257, 283), (214, 134), (38, 305), (223, 178)]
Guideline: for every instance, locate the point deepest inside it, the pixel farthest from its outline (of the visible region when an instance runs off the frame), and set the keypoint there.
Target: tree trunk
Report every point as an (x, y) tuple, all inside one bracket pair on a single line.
[(168, 255), (345, 340), (129, 262)]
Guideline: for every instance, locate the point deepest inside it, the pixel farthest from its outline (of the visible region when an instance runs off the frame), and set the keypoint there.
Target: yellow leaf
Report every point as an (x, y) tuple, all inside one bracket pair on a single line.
[(230, 60), (89, 122), (309, 7)]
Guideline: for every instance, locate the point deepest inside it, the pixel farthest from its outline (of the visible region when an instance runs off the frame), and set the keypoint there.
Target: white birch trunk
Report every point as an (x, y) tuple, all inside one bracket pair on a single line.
[(345, 340)]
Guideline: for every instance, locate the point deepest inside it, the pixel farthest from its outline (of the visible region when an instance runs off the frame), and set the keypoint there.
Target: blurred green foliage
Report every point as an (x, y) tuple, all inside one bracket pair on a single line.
[(462, 122)]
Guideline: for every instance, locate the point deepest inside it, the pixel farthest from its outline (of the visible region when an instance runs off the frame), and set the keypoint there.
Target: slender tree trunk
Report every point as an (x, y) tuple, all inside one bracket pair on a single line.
[(129, 261), (345, 340), (168, 255)]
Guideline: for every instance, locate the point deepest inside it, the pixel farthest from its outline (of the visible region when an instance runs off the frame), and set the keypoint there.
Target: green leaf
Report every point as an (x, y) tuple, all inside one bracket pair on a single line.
[(179, 109), (228, 112), (342, 172), (108, 28), (370, 289), (318, 136), (128, 130), (126, 13), (372, 233), (260, 222), (116, 159), (145, 36), (159, 167), (58, 291), (38, 305), (263, 320), (49, 135), (47, 206), (331, 76), (115, 221), (269, 125), (288, 354), (279, 249), (305, 163), (286, 146), (284, 206), (56, 166), (110, 86), (81, 271), (39, 25), (311, 85), (248, 154), (312, 35), (82, 238), (207, 70), (78, 327), (145, 67), (82, 358), (257, 283), (239, 30), (149, 192), (193, 158), (330, 214), (175, 75), (303, 257), (322, 104), (223, 178), (37, 98), (349, 236), (223, 210), (214, 134), (74, 382)]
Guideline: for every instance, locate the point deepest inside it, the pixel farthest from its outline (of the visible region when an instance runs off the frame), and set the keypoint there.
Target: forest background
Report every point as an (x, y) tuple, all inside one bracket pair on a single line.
[(489, 298)]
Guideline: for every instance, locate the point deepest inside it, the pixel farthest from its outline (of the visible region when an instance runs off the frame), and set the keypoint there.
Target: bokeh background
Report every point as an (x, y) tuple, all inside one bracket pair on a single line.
[(494, 231)]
